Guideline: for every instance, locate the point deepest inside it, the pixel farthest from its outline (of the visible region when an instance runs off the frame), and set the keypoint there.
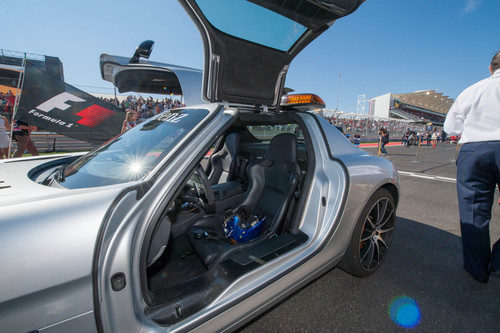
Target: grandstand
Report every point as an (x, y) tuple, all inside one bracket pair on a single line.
[(8, 80), (11, 63), (13, 60), (426, 106)]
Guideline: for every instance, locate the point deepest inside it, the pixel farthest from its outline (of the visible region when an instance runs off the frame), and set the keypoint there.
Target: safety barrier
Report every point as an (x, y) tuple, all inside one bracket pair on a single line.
[(52, 142)]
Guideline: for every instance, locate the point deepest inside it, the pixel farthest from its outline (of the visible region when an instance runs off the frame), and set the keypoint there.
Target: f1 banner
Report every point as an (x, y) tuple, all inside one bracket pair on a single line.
[(56, 106)]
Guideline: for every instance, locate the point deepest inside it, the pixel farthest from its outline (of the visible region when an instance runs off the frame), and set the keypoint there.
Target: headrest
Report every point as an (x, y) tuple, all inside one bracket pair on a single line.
[(283, 148), (231, 144)]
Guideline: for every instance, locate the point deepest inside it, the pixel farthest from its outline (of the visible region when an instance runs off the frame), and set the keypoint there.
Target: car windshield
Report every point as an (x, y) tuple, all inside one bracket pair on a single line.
[(245, 20), (135, 153)]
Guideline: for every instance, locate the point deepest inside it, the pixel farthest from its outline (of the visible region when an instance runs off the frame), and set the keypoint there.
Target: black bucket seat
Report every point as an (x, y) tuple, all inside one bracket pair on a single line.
[(222, 162), (273, 180)]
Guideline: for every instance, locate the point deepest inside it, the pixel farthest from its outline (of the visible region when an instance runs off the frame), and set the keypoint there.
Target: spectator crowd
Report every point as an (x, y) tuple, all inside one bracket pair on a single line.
[(139, 109), (417, 115), (145, 108), (372, 125), (7, 103)]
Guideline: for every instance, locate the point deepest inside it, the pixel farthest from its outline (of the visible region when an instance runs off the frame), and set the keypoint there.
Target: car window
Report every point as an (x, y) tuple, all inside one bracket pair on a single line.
[(336, 142), (132, 155), (246, 20), (267, 132)]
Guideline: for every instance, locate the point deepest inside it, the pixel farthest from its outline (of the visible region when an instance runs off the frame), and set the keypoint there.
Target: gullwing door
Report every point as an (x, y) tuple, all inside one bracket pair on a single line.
[(249, 44)]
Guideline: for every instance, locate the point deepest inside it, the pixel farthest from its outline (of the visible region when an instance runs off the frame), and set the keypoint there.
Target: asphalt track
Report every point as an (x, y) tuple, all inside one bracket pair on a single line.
[(424, 263)]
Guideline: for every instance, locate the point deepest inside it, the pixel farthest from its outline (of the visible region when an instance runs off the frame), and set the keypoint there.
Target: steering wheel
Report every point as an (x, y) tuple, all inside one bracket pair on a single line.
[(209, 194)]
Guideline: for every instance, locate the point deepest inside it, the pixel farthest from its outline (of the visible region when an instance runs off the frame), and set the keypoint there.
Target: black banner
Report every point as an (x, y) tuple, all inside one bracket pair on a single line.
[(56, 106)]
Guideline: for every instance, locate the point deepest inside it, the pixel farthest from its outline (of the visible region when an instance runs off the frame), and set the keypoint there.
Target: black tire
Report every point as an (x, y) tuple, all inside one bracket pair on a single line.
[(366, 250)]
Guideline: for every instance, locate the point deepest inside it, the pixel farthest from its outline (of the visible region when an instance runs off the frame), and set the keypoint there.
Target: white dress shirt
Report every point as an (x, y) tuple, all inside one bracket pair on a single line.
[(476, 112)]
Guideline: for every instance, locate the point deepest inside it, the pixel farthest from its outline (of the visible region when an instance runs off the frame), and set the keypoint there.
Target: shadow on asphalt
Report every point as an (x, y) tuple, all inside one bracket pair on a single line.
[(435, 167), (424, 263), (399, 154), (438, 161)]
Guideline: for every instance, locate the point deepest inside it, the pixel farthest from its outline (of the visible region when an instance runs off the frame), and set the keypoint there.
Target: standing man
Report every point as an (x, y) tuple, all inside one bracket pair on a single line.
[(406, 138), (476, 115), (384, 139)]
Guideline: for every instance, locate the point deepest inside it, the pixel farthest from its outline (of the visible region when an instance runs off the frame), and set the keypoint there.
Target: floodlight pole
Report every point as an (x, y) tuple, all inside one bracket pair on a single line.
[(361, 104), (20, 83)]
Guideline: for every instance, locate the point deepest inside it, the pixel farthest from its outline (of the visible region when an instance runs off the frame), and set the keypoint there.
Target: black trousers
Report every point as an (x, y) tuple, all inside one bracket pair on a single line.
[(478, 173)]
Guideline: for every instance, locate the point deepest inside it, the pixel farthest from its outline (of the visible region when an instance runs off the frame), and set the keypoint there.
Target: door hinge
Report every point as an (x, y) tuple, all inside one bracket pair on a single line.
[(213, 77)]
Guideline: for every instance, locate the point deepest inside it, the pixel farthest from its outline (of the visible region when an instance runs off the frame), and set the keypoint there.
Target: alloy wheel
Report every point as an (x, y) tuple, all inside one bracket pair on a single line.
[(376, 234)]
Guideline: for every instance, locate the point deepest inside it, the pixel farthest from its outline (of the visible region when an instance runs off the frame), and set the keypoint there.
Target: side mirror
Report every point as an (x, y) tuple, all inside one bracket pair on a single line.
[(143, 51)]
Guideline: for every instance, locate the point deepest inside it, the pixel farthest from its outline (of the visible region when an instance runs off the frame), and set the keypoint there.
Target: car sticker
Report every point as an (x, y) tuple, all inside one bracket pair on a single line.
[(172, 117)]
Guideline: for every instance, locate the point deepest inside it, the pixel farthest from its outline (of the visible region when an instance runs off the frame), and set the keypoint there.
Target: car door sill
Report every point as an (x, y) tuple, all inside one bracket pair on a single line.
[(182, 299)]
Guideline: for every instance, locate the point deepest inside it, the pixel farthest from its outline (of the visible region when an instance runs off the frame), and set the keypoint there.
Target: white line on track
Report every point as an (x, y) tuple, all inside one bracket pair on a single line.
[(421, 175)]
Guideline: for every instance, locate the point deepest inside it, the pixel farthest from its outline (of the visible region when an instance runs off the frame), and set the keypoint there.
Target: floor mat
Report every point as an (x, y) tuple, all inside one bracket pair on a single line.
[(179, 265)]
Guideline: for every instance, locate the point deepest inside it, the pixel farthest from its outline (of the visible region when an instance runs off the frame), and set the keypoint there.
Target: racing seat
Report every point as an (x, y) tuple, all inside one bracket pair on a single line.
[(273, 180), (222, 162)]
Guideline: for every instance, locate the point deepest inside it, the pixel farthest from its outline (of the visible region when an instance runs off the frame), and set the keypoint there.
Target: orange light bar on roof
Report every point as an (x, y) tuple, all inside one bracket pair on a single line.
[(302, 100)]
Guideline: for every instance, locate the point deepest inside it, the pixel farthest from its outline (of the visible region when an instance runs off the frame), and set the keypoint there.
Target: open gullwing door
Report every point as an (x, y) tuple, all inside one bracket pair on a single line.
[(249, 44)]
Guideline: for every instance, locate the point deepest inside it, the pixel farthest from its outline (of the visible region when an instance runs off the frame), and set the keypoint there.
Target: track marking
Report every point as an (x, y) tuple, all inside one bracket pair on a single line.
[(446, 178), (420, 175)]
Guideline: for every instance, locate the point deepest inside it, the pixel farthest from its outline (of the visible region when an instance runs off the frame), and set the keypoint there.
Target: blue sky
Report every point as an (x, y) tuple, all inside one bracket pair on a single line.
[(386, 46)]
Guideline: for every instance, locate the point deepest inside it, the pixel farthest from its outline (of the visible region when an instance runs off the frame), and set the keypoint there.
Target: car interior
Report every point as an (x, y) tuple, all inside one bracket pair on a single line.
[(235, 212)]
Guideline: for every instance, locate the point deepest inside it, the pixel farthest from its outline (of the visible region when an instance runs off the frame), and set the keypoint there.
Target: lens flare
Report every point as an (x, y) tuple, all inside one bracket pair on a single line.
[(404, 311), (136, 167)]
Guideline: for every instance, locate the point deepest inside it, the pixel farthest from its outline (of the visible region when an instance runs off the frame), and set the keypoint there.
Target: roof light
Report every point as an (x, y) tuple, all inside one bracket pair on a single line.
[(302, 101)]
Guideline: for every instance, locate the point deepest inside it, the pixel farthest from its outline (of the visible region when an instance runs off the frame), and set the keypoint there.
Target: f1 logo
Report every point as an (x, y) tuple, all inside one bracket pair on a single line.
[(94, 115), (91, 116), (59, 102)]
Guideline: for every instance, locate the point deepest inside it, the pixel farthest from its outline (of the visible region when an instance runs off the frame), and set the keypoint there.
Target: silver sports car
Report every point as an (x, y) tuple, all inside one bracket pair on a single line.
[(201, 217)]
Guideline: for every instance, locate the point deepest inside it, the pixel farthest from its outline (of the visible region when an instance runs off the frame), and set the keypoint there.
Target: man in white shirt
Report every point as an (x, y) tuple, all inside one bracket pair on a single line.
[(476, 115)]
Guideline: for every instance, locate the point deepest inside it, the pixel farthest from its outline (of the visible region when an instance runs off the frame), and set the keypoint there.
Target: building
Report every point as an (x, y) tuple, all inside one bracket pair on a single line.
[(426, 106)]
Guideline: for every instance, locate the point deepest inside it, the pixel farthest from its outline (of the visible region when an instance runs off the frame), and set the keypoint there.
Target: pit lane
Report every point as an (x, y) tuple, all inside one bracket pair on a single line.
[(424, 263)]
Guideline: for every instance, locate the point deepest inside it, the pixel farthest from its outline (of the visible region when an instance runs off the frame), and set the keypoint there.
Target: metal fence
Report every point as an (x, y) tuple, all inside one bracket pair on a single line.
[(52, 142), (368, 126), (8, 81), (14, 58), (267, 132)]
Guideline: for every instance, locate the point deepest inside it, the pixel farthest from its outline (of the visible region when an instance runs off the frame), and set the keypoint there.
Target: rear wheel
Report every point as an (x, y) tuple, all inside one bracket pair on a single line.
[(372, 235)]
